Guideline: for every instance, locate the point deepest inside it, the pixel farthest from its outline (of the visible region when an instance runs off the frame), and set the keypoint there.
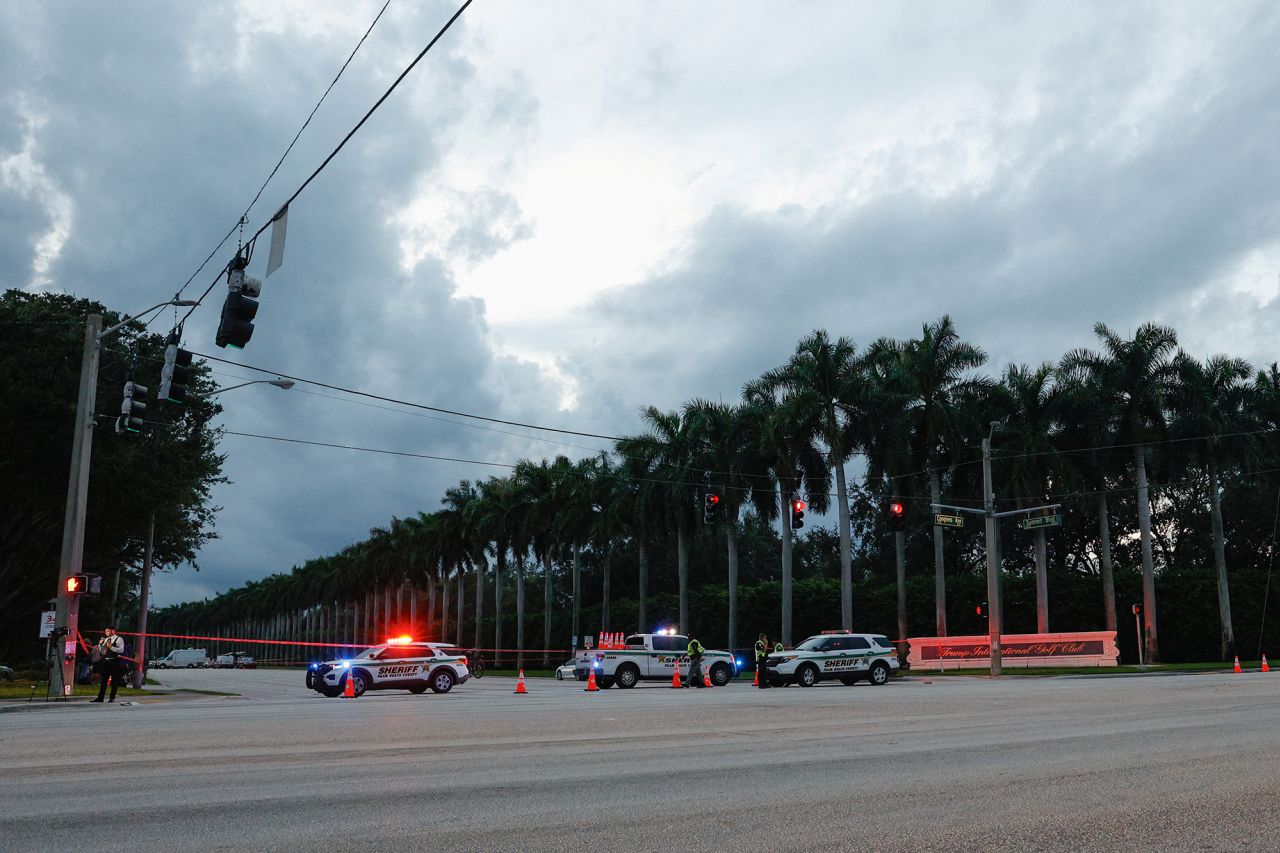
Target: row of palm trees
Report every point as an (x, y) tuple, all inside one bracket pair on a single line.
[(909, 413)]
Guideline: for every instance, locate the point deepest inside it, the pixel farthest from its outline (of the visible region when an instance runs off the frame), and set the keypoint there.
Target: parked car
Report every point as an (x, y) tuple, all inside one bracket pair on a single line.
[(566, 670), (6, 673), (234, 660), (182, 659)]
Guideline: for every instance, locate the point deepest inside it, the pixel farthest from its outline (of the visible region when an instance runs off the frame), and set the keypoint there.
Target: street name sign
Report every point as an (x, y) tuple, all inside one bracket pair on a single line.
[(1041, 521), (942, 519)]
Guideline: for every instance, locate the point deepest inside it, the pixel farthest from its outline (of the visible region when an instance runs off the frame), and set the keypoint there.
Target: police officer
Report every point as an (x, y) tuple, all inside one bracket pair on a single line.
[(110, 647), (777, 648), (762, 654), (694, 651)]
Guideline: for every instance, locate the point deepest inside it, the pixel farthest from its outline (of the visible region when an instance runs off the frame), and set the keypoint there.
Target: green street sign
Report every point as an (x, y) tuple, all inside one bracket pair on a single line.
[(1041, 521), (941, 519)]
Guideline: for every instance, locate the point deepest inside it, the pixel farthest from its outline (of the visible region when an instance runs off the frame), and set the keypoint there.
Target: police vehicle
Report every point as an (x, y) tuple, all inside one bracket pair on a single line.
[(650, 657), (835, 655), (398, 664)]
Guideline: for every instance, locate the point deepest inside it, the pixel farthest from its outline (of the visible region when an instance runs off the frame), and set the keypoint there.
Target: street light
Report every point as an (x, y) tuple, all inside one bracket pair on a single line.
[(68, 605), (143, 604)]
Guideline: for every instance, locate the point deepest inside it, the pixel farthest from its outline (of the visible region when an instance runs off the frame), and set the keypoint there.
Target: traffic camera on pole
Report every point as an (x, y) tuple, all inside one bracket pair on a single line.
[(133, 408), (236, 327), (896, 513), (176, 373), (797, 513), (710, 504)]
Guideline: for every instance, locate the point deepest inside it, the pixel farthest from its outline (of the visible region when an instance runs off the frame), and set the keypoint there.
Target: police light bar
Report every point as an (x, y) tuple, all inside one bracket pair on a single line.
[(399, 641)]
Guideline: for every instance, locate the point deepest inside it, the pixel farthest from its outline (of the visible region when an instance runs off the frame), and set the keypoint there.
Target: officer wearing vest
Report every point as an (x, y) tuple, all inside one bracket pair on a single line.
[(762, 654), (110, 647), (694, 651), (777, 648)]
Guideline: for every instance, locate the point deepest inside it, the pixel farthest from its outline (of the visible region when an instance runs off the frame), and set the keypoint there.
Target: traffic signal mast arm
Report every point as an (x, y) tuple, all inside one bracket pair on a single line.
[(1004, 514)]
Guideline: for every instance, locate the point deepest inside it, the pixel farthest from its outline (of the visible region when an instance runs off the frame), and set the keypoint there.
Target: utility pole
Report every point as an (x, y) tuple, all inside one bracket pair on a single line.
[(140, 649), (994, 605), (68, 606)]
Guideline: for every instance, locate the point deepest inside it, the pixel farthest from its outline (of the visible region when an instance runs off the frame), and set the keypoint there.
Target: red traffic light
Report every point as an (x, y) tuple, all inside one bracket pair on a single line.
[(896, 508), (798, 505), (712, 500), (978, 609)]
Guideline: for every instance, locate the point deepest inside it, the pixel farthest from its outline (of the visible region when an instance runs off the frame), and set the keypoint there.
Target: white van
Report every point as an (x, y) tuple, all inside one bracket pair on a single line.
[(182, 659)]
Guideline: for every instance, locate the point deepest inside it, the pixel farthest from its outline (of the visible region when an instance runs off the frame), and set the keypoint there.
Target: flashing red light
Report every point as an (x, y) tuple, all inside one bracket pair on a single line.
[(798, 505), (712, 500), (399, 641), (896, 508)]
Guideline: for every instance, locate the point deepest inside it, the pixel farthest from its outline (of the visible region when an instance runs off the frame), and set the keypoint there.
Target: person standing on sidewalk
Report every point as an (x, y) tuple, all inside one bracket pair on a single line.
[(110, 647)]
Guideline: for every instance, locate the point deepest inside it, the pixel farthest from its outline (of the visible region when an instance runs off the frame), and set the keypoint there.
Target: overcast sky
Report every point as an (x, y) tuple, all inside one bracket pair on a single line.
[(571, 209)]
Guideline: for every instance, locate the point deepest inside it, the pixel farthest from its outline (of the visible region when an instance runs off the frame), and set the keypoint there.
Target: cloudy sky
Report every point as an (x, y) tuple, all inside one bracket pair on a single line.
[(573, 209)]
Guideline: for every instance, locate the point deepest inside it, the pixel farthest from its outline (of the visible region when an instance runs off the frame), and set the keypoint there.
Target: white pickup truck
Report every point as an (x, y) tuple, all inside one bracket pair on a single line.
[(650, 657)]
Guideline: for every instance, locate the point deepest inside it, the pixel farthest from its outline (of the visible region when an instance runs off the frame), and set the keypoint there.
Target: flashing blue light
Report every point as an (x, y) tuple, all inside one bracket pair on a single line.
[(739, 661), (346, 664), (596, 664)]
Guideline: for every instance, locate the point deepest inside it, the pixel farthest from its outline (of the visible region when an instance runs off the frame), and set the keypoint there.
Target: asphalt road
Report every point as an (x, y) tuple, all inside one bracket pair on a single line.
[(1178, 763)]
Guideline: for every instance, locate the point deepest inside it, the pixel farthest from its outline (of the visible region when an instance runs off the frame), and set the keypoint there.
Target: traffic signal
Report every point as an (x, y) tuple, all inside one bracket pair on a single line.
[(77, 584), (1137, 610), (897, 515), (710, 504), (176, 372), (797, 513), (981, 609), (236, 327), (133, 408)]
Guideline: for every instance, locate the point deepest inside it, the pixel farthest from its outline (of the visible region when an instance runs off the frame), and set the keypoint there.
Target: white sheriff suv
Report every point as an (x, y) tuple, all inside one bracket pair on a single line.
[(395, 665), (650, 657), (835, 655)]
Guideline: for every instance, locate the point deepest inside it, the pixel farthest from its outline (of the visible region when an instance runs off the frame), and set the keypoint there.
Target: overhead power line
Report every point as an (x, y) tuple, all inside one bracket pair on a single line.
[(343, 143)]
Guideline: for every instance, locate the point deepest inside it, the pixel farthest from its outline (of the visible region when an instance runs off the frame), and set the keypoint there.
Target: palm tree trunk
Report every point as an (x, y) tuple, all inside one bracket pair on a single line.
[(643, 570), (431, 607), (1108, 574), (786, 567), (520, 610), (546, 609), (939, 574), (386, 611), (900, 547), (682, 571), (462, 600), (1042, 582), (480, 567), (497, 604), (444, 607), (846, 552), (577, 597), (1220, 562), (604, 604), (731, 540), (1148, 565), (415, 628)]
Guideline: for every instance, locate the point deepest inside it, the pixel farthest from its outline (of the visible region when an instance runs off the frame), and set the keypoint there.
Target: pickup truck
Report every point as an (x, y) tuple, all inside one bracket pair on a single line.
[(650, 657)]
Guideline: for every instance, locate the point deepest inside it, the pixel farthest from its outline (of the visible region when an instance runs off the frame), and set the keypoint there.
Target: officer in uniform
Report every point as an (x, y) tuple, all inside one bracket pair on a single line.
[(777, 648), (110, 647), (694, 651), (762, 653)]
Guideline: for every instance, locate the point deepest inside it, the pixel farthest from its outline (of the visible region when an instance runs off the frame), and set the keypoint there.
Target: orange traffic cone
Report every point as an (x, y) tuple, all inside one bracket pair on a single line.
[(349, 688), (1265, 668), (706, 678), (675, 678), (520, 688), (1237, 667), (591, 681), (755, 682)]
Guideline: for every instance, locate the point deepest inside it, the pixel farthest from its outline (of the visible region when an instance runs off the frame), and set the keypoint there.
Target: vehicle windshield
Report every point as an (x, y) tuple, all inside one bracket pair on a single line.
[(368, 653), (811, 644)]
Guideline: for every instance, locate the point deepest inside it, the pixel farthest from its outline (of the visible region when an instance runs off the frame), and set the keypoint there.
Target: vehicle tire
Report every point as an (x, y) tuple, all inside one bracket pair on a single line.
[(191, 666), (604, 682), (362, 682), (721, 674), (559, 675), (442, 681), (311, 679), (477, 668), (848, 680), (580, 677), (418, 689), (807, 675), (627, 676), (331, 692), (879, 673)]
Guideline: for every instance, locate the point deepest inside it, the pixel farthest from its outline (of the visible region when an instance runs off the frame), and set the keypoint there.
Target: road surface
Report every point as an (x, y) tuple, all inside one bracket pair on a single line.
[(1175, 762)]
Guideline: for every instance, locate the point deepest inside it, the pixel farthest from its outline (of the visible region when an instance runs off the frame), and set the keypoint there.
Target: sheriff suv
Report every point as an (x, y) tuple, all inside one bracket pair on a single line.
[(836, 655), (394, 665)]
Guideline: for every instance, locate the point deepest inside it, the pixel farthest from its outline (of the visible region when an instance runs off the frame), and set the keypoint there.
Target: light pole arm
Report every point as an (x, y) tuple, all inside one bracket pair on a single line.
[(108, 332)]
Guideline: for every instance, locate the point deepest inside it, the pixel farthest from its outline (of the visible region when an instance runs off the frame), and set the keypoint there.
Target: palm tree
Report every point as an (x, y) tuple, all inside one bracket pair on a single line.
[(671, 432), (462, 501), (1136, 376), (642, 503), (1212, 401), (541, 486), (573, 526), (1029, 400), (935, 373), (493, 515), (829, 378), (788, 440), (729, 447)]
